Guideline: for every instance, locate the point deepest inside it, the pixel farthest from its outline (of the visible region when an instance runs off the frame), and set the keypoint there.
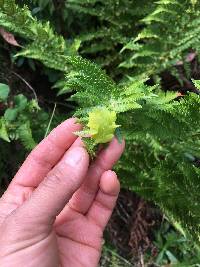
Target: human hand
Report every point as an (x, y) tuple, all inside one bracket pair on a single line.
[(57, 206)]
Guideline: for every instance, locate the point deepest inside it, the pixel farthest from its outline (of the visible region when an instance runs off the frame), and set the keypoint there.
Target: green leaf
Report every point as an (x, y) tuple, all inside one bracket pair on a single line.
[(43, 3), (171, 257), (196, 83), (11, 114), (25, 135), (4, 91), (118, 135), (20, 102), (3, 131), (33, 105), (194, 2)]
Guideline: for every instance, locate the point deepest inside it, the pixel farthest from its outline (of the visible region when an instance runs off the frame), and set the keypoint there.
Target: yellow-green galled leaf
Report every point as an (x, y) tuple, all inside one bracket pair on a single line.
[(102, 125)]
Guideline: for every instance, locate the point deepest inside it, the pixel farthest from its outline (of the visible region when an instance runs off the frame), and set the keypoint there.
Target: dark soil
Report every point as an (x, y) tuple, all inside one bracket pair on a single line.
[(131, 227)]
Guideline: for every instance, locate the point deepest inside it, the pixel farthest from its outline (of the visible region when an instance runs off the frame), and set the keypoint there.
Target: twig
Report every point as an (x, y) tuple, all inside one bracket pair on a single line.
[(49, 125), (141, 259), (61, 104), (29, 86), (124, 211)]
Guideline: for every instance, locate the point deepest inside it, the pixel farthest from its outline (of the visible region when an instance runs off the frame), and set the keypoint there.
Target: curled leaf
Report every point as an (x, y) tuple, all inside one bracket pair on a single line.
[(8, 37), (102, 125)]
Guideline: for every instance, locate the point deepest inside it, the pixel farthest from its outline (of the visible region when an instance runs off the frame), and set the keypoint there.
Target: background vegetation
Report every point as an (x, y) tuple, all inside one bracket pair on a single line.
[(139, 59)]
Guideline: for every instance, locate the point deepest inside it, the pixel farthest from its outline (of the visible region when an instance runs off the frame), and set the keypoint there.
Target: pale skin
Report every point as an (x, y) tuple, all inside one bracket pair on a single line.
[(57, 206)]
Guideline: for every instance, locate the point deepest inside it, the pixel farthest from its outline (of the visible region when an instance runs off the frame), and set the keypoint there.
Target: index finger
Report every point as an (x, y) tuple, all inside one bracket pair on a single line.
[(85, 195), (46, 155)]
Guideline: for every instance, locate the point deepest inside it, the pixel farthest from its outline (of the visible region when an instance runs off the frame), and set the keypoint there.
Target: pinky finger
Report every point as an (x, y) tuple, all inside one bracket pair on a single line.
[(104, 203)]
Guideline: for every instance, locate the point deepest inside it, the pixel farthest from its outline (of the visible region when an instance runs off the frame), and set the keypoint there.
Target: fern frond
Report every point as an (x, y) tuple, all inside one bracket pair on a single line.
[(162, 151), (25, 135), (40, 36), (161, 160), (170, 31), (117, 20)]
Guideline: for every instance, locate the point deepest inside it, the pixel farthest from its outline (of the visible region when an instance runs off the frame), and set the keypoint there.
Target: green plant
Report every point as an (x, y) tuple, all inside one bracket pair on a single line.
[(161, 132), (22, 125), (168, 34), (112, 259), (116, 22), (174, 248), (15, 123)]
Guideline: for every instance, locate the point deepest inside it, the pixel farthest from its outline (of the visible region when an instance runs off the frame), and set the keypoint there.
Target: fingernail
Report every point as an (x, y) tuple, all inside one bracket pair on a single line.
[(74, 156)]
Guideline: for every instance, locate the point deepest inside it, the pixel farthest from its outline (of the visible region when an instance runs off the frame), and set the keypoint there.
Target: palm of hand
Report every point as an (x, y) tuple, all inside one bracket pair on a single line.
[(74, 243), (54, 221), (81, 239)]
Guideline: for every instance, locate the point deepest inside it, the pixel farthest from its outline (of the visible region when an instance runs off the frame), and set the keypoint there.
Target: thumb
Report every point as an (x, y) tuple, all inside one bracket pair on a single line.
[(57, 188)]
